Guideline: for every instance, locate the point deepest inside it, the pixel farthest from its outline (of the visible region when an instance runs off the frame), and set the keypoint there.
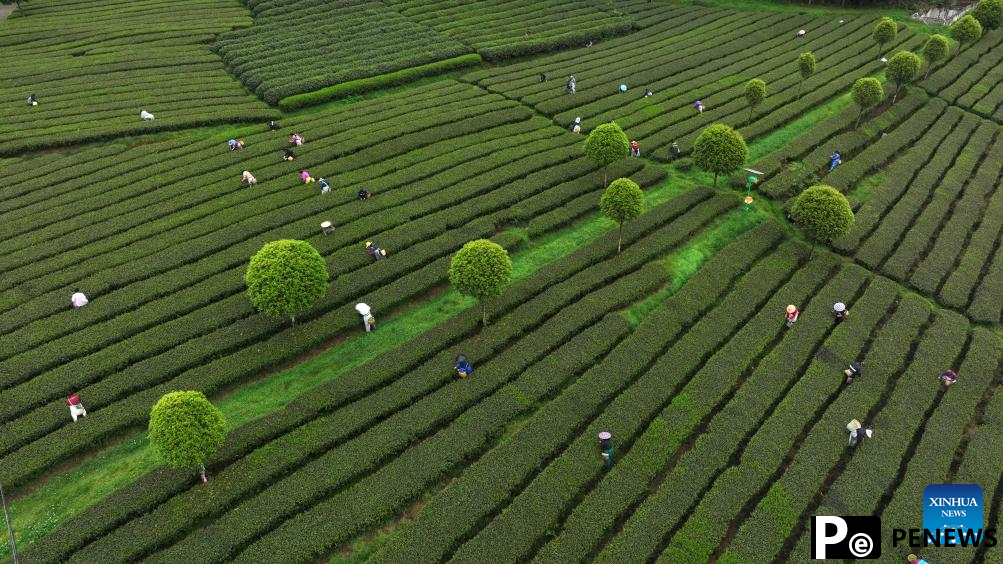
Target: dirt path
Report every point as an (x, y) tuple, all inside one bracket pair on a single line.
[(6, 9)]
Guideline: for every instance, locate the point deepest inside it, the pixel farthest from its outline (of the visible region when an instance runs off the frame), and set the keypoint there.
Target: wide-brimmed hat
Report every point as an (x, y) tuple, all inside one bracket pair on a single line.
[(840, 307), (791, 309)]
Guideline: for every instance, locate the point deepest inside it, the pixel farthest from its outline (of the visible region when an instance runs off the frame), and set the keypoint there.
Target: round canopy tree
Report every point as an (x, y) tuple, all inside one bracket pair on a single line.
[(606, 145), (621, 202), (755, 93), (885, 31), (186, 430), (867, 93), (824, 213), (286, 277), (481, 269), (806, 66), (720, 149), (989, 13), (966, 30), (903, 68), (935, 51)]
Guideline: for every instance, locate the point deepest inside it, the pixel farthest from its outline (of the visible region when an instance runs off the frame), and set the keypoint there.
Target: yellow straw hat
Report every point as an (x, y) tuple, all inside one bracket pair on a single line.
[(791, 309)]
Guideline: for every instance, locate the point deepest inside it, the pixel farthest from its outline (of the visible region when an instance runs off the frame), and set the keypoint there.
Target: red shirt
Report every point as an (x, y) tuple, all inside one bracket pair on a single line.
[(792, 316), (73, 400)]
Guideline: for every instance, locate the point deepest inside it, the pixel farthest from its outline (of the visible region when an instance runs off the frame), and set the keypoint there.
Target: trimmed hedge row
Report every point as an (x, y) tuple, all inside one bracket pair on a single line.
[(365, 39), (960, 73), (940, 206), (556, 42), (884, 238), (855, 169), (913, 113), (577, 207), (971, 266), (941, 436), (362, 85), (519, 75), (986, 301), (804, 470), (456, 513), (501, 29), (901, 172)]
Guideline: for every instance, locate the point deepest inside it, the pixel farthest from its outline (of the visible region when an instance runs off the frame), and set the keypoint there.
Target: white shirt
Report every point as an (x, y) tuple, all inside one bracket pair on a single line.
[(145, 115), (78, 299)]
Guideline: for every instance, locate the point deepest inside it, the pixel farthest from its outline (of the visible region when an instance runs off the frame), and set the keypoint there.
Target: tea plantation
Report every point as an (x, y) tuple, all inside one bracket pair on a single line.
[(419, 126)]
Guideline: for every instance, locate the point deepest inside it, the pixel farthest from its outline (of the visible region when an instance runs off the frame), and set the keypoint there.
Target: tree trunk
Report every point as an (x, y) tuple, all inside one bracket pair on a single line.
[(202, 473), (293, 318), (896, 94), (605, 180), (800, 84), (484, 314), (619, 241), (812, 252), (929, 67), (715, 180), (751, 109)]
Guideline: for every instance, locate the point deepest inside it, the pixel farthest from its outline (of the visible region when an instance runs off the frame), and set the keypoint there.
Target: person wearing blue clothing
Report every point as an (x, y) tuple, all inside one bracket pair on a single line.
[(463, 367), (837, 159), (324, 186)]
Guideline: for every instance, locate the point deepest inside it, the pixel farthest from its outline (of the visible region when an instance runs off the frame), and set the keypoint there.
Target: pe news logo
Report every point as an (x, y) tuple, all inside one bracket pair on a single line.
[(952, 512), (845, 537)]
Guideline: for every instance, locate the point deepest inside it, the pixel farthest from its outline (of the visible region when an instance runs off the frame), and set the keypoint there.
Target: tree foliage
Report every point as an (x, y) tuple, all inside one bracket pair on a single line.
[(720, 149), (755, 93), (806, 66), (286, 277), (867, 92), (903, 68), (824, 213), (622, 201), (605, 145), (885, 31), (481, 269), (989, 13), (186, 429), (935, 51), (966, 30)]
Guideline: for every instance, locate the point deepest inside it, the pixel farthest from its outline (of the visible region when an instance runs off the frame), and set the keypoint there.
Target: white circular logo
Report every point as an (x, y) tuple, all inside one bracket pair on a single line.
[(861, 545)]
